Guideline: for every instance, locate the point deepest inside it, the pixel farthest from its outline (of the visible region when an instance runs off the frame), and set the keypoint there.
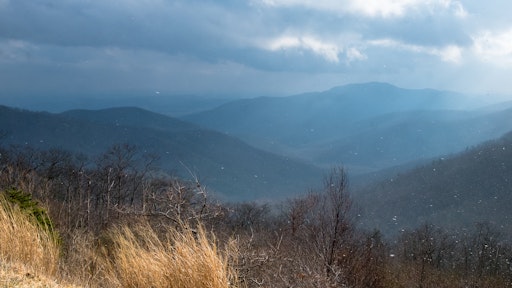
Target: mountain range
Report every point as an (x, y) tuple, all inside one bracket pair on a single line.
[(365, 127), (173, 105), (226, 165), (277, 147)]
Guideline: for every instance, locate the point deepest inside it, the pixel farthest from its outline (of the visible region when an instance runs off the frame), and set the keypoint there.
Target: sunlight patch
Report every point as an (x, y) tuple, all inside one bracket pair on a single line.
[(326, 50)]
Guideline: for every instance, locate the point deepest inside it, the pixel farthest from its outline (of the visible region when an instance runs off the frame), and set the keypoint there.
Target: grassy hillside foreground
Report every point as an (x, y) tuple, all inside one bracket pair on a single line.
[(31, 256), (64, 224)]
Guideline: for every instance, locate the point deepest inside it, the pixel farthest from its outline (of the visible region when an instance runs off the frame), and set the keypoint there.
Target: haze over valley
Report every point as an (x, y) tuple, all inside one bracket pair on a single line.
[(366, 127), (256, 143), (272, 148)]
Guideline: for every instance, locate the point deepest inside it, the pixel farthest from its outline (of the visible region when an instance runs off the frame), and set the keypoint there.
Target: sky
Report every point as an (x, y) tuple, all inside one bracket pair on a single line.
[(252, 47)]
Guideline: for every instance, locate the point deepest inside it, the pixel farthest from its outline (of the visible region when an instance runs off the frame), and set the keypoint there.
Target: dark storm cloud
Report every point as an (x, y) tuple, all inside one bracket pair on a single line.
[(209, 30), (164, 26), (208, 45)]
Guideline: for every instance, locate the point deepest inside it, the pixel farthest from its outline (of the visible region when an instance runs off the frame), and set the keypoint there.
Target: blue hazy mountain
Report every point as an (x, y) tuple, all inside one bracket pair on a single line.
[(365, 127), (226, 165), (168, 104), (398, 138)]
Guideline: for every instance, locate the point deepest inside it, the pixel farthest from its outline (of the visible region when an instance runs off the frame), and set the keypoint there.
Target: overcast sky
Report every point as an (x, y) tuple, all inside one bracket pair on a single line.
[(252, 47)]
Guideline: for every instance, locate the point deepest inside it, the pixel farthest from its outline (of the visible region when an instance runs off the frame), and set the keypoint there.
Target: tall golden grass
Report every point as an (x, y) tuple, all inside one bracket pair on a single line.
[(24, 241), (127, 256), (182, 258)]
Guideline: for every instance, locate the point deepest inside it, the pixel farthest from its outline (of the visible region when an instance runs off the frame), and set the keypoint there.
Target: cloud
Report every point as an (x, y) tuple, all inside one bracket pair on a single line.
[(203, 28), (217, 31), (459, 10), (56, 70), (382, 8), (424, 23), (328, 51), (4, 3), (353, 54), (449, 53), (130, 44), (16, 51), (494, 47), (373, 8)]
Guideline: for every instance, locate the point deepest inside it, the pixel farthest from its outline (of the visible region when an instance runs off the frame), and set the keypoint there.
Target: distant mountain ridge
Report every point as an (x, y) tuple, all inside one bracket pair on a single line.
[(130, 116), (160, 102), (225, 164), (398, 138), (365, 127)]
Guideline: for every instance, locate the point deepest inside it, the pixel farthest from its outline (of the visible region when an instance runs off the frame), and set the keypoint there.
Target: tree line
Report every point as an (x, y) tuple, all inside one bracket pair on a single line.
[(311, 240)]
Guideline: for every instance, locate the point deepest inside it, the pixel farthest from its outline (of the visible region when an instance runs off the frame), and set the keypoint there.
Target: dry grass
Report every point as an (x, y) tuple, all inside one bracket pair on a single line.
[(184, 258), (19, 276), (83, 262), (129, 257), (25, 242), (132, 256)]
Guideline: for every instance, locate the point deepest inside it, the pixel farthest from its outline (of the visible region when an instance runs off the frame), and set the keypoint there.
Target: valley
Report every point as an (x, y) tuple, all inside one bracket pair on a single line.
[(272, 148)]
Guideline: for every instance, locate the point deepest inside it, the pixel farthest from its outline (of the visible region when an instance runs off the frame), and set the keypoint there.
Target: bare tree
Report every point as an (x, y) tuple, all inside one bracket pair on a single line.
[(119, 180), (324, 221), (334, 218)]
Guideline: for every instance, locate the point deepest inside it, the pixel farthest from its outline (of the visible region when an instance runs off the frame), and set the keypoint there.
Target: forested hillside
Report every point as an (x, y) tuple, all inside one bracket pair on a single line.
[(454, 191)]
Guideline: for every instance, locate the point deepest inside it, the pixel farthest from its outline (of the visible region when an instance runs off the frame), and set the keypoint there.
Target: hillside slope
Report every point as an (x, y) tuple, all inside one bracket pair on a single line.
[(474, 186), (402, 137), (225, 164)]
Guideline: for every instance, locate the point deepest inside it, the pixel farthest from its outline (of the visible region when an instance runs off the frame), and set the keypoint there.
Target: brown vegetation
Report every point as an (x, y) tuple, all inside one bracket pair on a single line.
[(24, 241), (119, 225), (183, 258), (127, 256)]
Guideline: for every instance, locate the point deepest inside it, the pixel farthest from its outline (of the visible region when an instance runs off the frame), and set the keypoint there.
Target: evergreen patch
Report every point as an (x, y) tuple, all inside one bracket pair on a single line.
[(25, 202)]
